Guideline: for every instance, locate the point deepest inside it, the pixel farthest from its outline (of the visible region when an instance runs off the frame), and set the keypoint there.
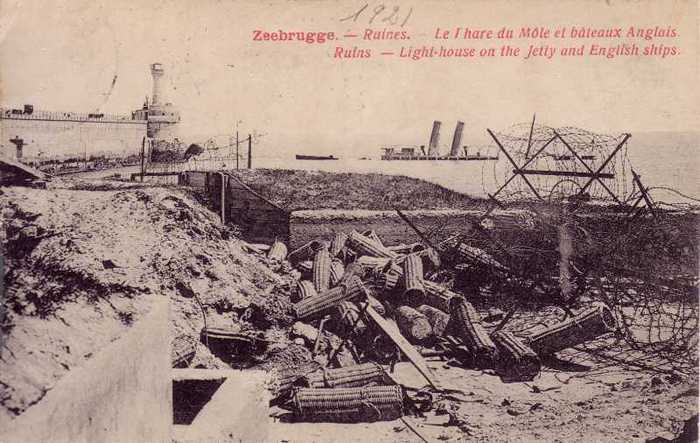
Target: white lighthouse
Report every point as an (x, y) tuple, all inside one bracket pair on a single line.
[(161, 115), (157, 74)]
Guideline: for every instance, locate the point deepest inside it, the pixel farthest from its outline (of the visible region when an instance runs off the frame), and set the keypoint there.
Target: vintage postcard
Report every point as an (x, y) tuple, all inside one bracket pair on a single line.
[(349, 221)]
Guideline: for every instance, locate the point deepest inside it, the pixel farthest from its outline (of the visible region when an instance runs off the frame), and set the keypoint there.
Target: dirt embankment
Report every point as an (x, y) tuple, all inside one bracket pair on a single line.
[(298, 190), (81, 265)]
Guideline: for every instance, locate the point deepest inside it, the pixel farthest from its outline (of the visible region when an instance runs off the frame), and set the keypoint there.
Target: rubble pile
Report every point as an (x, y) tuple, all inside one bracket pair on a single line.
[(361, 306)]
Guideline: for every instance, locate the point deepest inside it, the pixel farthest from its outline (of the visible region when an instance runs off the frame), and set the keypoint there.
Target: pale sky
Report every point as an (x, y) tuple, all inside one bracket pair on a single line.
[(63, 55)]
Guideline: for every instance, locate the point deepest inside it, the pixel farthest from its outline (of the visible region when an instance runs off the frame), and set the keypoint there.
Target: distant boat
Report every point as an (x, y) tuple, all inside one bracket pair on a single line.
[(410, 153), (316, 157)]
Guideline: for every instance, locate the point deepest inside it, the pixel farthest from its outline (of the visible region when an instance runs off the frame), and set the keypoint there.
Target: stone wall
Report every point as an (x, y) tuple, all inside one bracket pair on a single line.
[(47, 139)]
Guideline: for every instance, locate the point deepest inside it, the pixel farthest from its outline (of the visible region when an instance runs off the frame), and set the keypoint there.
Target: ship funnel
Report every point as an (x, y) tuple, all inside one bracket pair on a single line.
[(457, 140), (433, 149)]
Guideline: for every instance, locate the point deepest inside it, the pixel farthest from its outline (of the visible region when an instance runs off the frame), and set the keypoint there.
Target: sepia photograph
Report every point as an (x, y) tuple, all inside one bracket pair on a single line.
[(349, 221)]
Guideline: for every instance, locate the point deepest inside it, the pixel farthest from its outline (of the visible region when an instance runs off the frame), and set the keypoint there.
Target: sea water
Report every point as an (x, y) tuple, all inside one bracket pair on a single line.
[(675, 167)]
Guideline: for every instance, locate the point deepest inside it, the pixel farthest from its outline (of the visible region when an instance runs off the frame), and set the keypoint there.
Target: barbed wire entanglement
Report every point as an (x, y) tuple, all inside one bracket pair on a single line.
[(574, 224), (646, 270), (572, 152)]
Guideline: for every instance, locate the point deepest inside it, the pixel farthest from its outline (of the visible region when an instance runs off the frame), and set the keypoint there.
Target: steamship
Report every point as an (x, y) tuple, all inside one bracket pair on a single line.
[(457, 152)]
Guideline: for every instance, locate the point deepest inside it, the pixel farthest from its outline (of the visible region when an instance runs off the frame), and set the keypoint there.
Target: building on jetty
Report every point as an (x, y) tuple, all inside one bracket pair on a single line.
[(32, 135)]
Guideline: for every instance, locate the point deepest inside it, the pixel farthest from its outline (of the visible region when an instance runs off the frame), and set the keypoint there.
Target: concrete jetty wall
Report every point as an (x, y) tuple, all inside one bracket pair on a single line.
[(47, 135), (309, 225)]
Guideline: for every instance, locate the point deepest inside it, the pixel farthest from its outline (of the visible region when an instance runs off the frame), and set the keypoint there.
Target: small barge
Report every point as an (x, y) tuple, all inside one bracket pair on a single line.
[(315, 157)]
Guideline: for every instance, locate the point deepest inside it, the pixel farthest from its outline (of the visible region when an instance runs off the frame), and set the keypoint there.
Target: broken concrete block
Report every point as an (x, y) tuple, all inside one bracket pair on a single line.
[(587, 325), (413, 325), (278, 251), (322, 270), (466, 323), (516, 361), (439, 320), (413, 278)]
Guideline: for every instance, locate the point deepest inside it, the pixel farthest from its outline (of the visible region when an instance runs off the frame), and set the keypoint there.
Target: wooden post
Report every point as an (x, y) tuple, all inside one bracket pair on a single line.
[(529, 138), (143, 164), (223, 197), (644, 193), (250, 151)]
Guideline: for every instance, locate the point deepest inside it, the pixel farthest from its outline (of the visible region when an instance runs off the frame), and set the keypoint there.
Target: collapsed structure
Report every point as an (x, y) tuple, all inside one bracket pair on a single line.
[(360, 302), (379, 303)]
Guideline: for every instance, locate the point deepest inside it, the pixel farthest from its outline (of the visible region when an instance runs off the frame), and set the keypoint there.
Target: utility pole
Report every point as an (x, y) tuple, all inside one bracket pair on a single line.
[(236, 148), (250, 151)]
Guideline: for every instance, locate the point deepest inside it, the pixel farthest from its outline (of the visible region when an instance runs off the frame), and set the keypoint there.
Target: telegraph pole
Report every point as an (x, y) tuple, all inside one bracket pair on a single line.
[(250, 151)]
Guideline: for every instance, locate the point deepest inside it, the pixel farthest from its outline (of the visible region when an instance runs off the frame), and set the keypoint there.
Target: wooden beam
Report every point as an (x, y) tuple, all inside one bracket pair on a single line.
[(409, 351), (511, 178), (530, 160), (223, 198), (605, 163), (143, 157), (633, 208), (563, 173), (643, 190), (510, 159), (250, 151), (598, 176)]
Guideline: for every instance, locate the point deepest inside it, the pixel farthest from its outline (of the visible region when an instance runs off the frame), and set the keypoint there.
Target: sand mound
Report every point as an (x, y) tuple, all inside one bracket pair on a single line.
[(82, 265)]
